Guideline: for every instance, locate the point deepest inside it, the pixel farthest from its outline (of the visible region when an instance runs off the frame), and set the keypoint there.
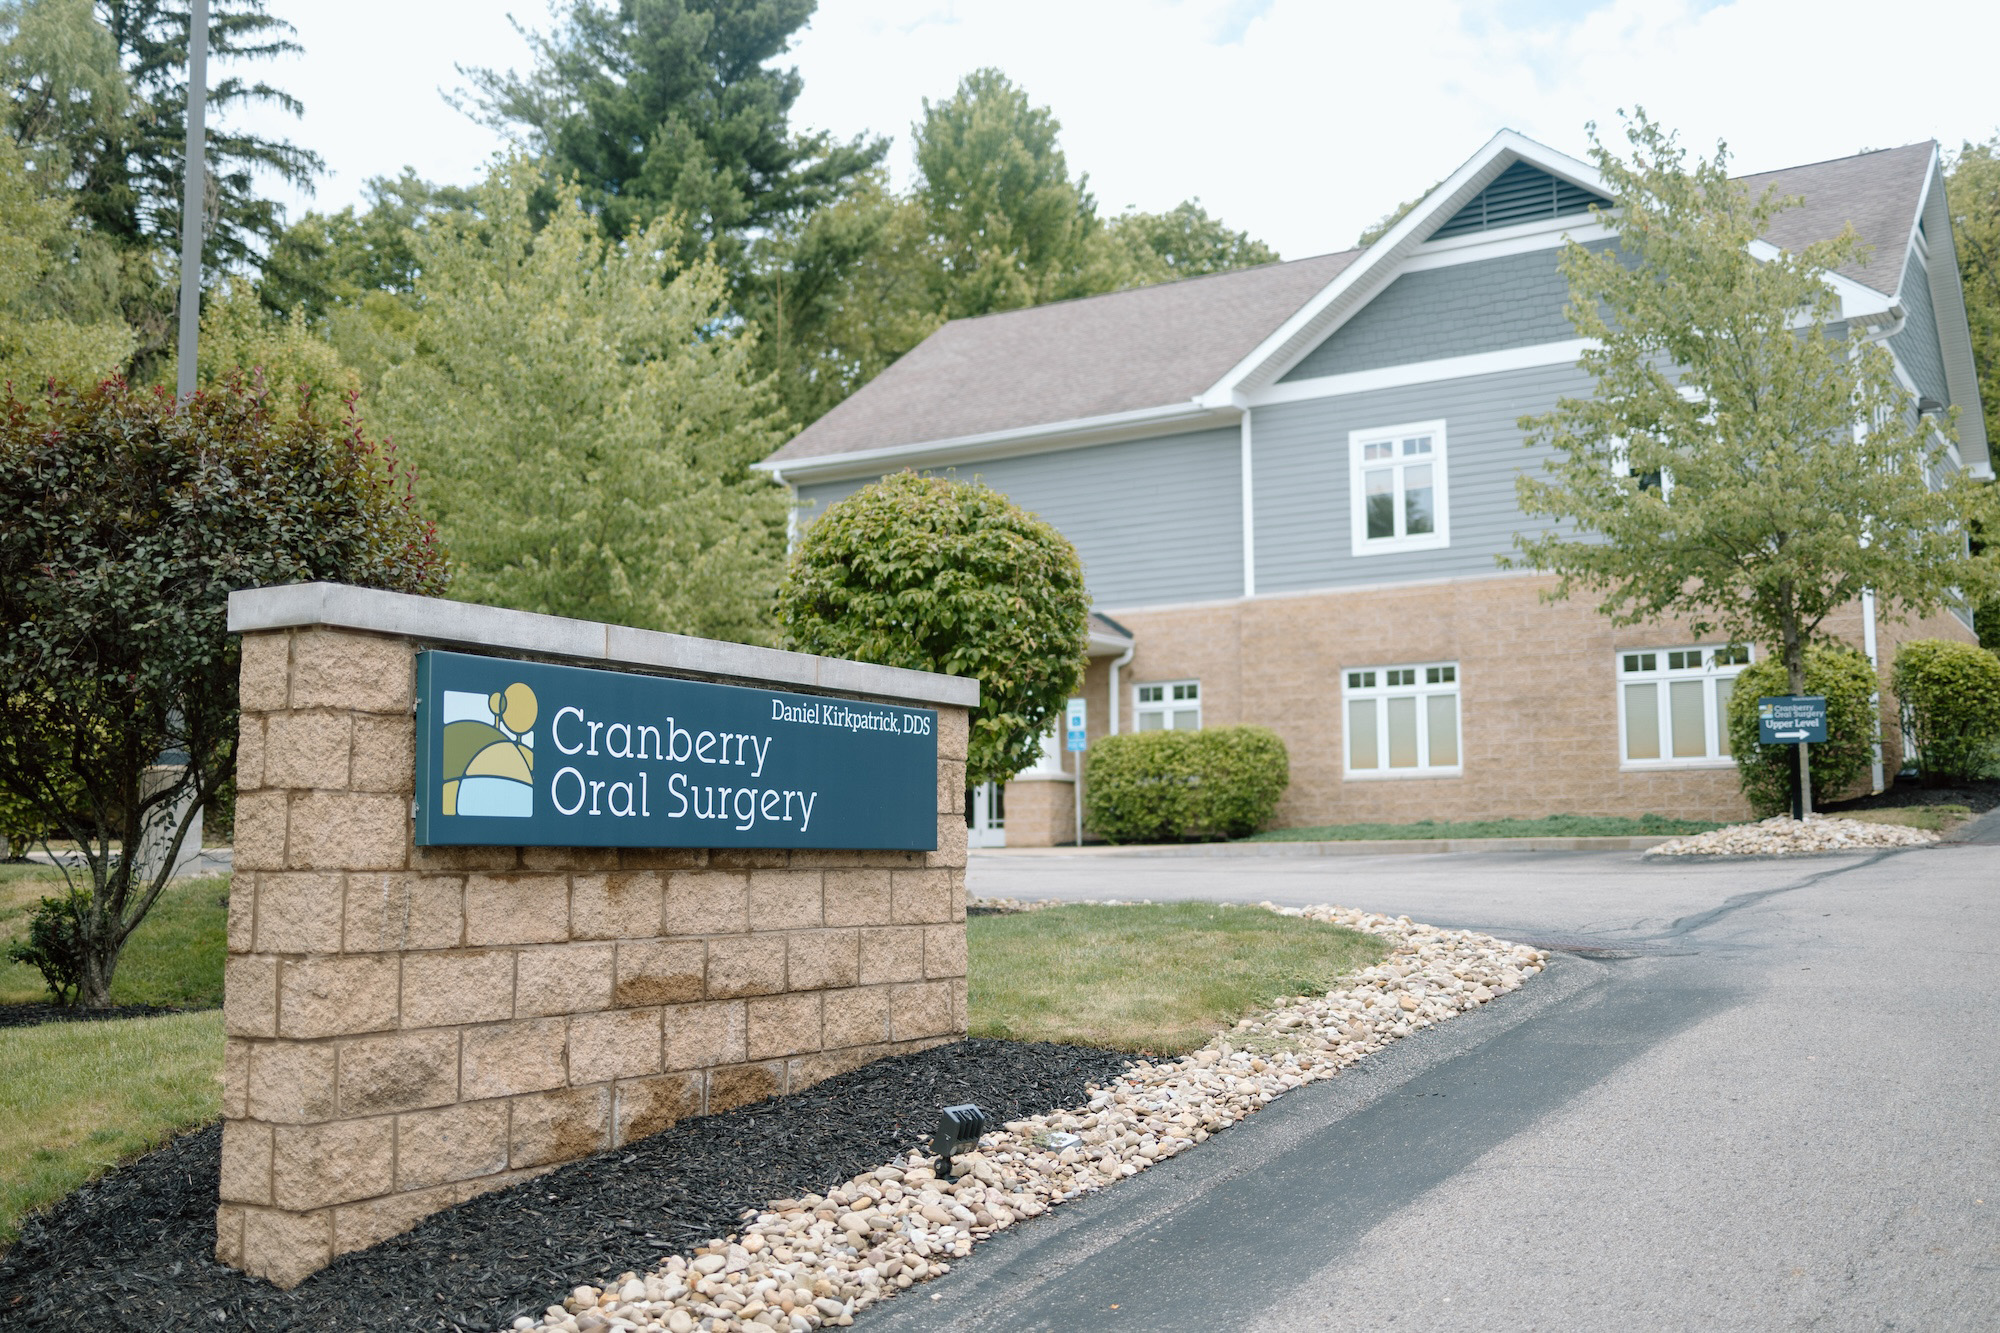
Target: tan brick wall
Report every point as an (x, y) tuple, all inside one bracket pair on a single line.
[(1538, 696), (1041, 813), (410, 1027)]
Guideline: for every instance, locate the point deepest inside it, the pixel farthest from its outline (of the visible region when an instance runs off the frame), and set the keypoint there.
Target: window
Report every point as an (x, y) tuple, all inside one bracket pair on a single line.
[(1397, 479), (1673, 705), (1050, 758), (1172, 705), (1402, 721), (1659, 481)]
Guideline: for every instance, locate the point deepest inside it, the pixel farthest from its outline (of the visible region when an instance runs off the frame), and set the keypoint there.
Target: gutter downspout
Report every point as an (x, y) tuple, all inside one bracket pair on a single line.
[(1117, 662), (791, 510), (1876, 774)]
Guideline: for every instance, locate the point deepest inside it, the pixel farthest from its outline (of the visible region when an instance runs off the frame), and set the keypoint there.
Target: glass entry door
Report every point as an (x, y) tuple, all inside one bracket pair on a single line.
[(986, 815)]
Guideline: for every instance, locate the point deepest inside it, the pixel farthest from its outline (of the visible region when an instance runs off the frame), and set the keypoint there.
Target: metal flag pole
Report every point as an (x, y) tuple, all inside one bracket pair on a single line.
[(194, 193)]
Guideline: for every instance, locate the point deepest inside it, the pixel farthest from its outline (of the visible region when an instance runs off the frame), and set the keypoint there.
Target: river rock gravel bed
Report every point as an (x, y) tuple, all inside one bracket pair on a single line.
[(1785, 836), (817, 1259)]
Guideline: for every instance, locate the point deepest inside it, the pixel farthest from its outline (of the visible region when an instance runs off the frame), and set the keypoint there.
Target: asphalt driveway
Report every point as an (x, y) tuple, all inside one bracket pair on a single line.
[(1770, 1099)]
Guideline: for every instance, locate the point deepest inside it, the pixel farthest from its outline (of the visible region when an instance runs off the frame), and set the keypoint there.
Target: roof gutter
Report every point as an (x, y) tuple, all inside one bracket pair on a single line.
[(1189, 415)]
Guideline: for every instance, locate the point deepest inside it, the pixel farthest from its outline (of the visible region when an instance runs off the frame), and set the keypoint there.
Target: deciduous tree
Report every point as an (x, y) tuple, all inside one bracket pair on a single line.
[(1747, 462), (584, 416)]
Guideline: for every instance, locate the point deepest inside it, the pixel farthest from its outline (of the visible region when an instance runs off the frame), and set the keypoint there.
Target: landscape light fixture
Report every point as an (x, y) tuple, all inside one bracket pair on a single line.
[(958, 1130), (1928, 406)]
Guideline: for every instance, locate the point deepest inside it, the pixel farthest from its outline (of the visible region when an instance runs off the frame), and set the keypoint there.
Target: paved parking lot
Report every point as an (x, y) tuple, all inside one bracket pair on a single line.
[(1616, 894), (1775, 1112)]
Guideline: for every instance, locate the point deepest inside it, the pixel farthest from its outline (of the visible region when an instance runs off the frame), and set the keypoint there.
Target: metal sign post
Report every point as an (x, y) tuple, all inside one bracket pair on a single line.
[(1794, 719), (1073, 725)]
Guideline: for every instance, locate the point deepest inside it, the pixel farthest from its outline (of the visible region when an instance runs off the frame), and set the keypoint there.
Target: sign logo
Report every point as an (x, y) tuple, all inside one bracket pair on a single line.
[(489, 753)]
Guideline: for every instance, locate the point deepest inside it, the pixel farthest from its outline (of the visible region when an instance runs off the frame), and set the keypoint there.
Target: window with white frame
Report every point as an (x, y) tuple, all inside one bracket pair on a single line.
[(1659, 481), (1673, 705), (1402, 721), (1396, 476), (1170, 705), (1049, 759)]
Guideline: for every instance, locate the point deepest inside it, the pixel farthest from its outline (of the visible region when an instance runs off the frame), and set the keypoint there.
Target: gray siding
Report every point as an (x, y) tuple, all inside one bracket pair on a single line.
[(1301, 479), (1156, 521), (1487, 306), (1917, 346)]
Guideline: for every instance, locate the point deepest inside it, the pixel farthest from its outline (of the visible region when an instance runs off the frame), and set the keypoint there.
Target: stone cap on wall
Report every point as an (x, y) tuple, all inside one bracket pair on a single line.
[(438, 620)]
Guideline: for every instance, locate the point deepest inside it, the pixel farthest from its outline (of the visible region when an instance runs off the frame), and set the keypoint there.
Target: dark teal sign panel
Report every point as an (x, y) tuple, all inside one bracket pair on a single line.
[(1787, 719), (522, 754)]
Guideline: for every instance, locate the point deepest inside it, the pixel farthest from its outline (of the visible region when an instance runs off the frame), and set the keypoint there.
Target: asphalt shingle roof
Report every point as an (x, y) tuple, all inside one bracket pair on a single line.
[(1158, 346), (1877, 192), (1102, 354)]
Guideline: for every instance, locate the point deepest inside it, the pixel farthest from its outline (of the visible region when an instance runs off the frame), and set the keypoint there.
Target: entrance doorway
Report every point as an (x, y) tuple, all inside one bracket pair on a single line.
[(986, 815)]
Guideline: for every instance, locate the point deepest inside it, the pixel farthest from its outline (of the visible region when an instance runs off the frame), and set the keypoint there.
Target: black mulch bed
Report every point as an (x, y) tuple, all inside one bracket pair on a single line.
[(1979, 797), (135, 1250), (28, 1015)]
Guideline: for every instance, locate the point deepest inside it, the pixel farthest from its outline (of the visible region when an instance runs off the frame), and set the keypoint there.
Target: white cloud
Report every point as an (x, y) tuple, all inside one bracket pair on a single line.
[(1299, 120)]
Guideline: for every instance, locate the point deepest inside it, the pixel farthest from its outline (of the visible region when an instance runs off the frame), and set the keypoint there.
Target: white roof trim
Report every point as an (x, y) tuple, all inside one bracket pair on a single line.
[(1859, 303), (1948, 308), (1305, 329), (1184, 416), (1408, 373)]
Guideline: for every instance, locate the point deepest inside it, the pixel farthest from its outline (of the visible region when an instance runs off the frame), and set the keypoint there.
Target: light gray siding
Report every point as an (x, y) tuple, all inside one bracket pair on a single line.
[(1156, 521), (1300, 471), (1917, 346), (1486, 306)]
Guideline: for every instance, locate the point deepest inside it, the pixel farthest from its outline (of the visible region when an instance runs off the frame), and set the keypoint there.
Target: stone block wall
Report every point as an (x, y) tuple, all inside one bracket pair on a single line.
[(409, 1027)]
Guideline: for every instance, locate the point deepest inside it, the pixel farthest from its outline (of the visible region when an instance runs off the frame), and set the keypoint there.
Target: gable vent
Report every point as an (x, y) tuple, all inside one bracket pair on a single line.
[(1521, 193)]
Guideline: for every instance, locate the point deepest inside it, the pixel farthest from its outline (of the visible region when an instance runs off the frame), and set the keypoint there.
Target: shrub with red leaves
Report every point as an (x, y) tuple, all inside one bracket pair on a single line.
[(126, 520)]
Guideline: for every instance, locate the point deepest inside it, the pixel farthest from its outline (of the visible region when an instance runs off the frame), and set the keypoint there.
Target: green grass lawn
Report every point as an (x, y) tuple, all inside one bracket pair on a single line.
[(174, 958), (1936, 818), (1549, 826), (1154, 978), (77, 1098)]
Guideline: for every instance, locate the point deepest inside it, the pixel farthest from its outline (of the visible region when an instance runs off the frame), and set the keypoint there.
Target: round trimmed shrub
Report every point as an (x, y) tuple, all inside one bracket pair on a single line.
[(1767, 772), (1184, 786), (944, 575), (1950, 699)]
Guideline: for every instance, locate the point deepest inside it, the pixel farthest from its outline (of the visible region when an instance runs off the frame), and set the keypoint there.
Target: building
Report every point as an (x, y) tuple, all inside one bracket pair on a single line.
[(1289, 486)]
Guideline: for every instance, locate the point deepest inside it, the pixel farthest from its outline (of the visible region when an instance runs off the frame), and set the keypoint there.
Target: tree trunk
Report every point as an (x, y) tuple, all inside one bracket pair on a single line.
[(93, 987)]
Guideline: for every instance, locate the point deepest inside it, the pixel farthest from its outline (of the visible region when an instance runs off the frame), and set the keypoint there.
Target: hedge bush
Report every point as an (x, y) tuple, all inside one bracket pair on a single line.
[(1184, 786), (1950, 699), (943, 575), (1767, 772)]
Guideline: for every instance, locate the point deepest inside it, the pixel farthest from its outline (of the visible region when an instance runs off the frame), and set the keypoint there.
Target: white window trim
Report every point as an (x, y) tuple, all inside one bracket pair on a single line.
[(1718, 724), (1621, 466), (1380, 692), (1357, 517), (1168, 705), (1048, 765)]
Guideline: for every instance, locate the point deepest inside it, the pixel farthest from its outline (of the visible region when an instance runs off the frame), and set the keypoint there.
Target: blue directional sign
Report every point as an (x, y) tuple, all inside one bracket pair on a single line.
[(1788, 719), (525, 754)]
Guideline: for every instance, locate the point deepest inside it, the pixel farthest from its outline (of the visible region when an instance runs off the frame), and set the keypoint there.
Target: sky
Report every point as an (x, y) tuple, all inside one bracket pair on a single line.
[(1299, 121)]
